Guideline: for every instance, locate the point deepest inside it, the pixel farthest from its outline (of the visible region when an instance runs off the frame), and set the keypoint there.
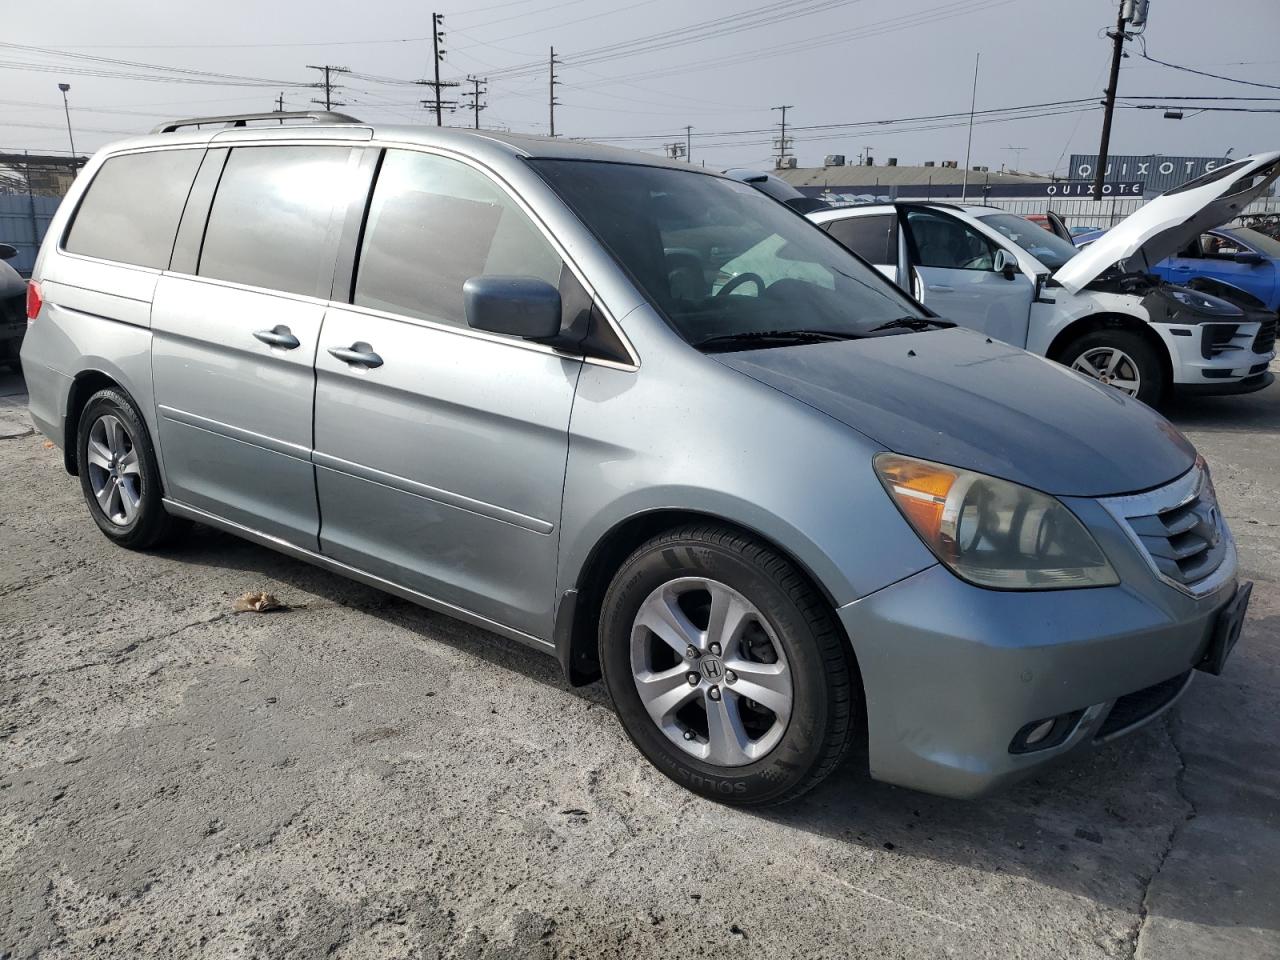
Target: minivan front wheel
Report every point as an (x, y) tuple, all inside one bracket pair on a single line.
[(1122, 360), (726, 666), (118, 473)]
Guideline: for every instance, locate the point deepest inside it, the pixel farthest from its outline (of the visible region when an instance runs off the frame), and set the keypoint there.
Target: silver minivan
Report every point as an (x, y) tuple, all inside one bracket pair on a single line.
[(781, 510)]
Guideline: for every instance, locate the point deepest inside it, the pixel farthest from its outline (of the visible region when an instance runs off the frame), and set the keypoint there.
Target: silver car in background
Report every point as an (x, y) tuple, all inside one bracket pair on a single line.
[(638, 416)]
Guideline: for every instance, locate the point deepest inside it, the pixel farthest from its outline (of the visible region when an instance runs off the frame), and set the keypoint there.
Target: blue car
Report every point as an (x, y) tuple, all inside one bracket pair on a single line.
[(1239, 256)]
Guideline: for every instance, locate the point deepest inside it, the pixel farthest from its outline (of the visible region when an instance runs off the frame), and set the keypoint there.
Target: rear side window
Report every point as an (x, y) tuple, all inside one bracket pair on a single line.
[(131, 210), (433, 224), (269, 225), (874, 239)]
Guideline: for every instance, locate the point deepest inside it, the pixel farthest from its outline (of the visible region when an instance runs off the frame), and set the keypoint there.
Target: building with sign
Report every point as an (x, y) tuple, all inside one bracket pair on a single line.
[(1158, 172)]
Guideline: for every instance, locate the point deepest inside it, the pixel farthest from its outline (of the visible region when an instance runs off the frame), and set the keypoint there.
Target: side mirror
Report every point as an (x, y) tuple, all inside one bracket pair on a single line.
[(1249, 257), (8, 251), (523, 307), (1005, 263)]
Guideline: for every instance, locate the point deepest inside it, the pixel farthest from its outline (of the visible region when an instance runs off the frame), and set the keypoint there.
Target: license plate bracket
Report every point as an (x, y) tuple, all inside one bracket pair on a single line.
[(1226, 631)]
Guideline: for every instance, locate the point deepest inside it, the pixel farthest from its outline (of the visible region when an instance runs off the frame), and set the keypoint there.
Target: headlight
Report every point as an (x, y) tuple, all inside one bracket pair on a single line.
[(1203, 304), (992, 532)]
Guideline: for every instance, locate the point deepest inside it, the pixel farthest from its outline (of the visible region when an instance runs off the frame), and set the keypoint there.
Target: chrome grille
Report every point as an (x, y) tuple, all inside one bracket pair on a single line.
[(1179, 530)]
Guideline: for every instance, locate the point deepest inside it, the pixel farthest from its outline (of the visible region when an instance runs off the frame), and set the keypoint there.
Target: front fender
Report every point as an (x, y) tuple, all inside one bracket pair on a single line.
[(708, 440)]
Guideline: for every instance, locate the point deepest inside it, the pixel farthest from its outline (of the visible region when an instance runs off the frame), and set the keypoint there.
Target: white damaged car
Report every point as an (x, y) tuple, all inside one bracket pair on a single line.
[(1099, 310)]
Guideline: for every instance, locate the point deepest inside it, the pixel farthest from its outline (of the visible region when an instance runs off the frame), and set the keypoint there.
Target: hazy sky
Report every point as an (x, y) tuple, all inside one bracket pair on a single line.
[(836, 61)]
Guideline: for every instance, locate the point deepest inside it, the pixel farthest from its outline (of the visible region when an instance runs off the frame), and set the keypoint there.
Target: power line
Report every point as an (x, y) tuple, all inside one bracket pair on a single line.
[(1202, 73)]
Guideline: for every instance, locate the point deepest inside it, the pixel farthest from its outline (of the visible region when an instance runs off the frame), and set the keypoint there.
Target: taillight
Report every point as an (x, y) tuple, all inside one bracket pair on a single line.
[(34, 301)]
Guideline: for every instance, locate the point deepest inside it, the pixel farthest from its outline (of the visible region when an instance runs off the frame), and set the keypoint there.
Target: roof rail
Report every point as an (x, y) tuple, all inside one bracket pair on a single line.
[(242, 119)]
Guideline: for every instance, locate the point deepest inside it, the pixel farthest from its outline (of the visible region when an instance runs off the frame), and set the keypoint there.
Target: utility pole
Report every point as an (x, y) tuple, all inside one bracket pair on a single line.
[(474, 94), (1017, 156), (437, 102), (968, 150), (1134, 13), (329, 86), (782, 143), (64, 87), (688, 143), (280, 103), (551, 100)]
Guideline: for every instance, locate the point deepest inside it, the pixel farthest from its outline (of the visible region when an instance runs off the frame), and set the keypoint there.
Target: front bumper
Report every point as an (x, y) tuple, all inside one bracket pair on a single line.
[(1234, 366), (952, 672)]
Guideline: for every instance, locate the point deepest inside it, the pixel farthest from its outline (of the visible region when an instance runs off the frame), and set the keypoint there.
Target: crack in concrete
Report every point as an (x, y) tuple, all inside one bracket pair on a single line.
[(1135, 937), (119, 655)]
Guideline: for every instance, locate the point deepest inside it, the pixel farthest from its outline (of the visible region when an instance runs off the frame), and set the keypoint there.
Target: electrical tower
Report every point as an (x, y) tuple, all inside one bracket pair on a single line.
[(329, 86), (475, 93), (552, 102), (437, 101), (783, 143), (1133, 14)]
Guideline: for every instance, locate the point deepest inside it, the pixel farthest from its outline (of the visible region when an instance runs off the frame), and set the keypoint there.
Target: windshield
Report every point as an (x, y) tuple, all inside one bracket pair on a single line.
[(1049, 248), (721, 260)]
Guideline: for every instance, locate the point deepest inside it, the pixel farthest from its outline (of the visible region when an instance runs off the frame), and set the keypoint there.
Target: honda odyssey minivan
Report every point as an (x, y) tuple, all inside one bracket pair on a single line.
[(779, 510)]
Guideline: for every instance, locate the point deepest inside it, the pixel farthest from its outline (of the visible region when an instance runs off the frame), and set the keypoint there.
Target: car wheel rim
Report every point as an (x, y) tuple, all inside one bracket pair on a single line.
[(1112, 366), (114, 472), (710, 671)]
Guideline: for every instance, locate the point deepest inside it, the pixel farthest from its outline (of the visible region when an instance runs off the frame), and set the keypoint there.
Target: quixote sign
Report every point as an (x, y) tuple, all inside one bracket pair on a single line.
[(1160, 172), (1084, 188)]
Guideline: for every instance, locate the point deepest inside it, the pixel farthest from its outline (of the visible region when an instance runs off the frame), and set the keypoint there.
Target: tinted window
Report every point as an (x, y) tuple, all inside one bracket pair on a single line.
[(875, 239), (269, 225), (941, 241), (131, 210), (435, 223)]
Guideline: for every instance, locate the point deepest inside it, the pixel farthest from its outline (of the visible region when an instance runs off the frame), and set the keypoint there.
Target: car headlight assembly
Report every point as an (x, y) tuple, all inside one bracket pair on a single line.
[(991, 532), (1201, 303)]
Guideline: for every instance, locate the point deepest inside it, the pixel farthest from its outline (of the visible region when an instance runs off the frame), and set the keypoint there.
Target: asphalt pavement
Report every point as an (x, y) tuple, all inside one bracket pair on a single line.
[(355, 777)]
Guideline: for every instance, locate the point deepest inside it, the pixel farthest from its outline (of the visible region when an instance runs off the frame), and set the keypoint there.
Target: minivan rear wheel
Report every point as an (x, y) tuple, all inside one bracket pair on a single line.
[(726, 666), (118, 473), (1122, 360)]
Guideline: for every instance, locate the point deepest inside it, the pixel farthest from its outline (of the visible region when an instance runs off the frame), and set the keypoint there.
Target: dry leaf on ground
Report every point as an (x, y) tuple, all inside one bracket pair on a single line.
[(255, 601)]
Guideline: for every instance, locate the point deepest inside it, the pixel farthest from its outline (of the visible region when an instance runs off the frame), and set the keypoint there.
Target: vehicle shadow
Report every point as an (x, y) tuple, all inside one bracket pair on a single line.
[(1095, 827), (1250, 413)]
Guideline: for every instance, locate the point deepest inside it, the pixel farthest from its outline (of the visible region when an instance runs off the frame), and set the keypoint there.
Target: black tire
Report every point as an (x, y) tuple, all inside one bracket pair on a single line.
[(150, 524), (1153, 385), (825, 688)]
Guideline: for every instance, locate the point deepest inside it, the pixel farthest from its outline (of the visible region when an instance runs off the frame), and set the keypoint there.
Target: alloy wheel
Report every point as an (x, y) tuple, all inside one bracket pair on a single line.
[(1112, 366), (115, 475), (710, 671)]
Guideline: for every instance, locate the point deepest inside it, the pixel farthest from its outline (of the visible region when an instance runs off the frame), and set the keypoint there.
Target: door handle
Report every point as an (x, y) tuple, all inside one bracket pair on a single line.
[(940, 288), (358, 355), (278, 336), (1181, 267)]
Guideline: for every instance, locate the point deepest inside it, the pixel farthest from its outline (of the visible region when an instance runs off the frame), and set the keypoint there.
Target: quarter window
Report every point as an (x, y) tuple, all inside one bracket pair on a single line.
[(435, 223), (874, 239), (131, 210), (270, 221)]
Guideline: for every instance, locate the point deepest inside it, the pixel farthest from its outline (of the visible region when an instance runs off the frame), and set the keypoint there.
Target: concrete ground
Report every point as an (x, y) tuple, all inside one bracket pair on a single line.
[(359, 778)]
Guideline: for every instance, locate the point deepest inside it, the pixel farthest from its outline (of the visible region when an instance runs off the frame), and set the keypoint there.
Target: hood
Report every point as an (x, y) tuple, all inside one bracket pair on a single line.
[(955, 397), (1172, 220)]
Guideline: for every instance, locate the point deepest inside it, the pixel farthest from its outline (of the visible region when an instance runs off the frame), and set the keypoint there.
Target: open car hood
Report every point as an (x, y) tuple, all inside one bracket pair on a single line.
[(1172, 220)]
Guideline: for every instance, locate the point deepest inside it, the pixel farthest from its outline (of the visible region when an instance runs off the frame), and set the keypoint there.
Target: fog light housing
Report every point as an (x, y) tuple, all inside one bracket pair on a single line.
[(1045, 733)]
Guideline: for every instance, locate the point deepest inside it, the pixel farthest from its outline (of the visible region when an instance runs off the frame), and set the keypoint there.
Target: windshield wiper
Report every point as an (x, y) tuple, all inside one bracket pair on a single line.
[(780, 337), (912, 323)]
